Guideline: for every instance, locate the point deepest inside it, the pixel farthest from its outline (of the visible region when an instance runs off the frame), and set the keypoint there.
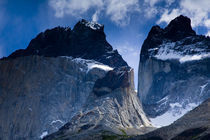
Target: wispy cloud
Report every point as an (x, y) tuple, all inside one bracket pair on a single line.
[(208, 33), (118, 11), (74, 7)]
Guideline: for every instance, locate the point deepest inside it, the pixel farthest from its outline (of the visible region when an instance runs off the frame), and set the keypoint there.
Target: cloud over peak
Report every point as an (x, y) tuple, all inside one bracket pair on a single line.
[(197, 10)]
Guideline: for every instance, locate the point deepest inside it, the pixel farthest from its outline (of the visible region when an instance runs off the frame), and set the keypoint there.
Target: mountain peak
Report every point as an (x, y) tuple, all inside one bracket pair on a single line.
[(179, 27), (87, 40), (84, 24)]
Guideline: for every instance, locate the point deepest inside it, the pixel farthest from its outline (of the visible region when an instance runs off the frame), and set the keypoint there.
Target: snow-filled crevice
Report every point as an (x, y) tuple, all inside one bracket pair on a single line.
[(182, 53), (175, 112)]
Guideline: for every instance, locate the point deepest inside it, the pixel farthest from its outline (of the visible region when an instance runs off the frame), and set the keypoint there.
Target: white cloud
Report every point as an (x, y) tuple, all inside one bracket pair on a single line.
[(151, 2), (197, 10), (73, 7), (207, 23), (168, 16), (95, 16), (117, 10)]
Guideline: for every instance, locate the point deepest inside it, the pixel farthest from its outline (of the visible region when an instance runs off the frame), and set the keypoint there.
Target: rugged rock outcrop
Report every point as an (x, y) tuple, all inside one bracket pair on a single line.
[(174, 71), (70, 76), (111, 108), (195, 125)]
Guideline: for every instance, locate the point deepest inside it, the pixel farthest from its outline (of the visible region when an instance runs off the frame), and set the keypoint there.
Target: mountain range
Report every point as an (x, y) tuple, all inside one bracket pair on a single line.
[(71, 84)]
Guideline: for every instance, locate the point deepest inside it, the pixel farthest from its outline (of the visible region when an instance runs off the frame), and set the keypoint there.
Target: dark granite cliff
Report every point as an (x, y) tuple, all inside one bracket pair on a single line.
[(174, 70), (87, 40)]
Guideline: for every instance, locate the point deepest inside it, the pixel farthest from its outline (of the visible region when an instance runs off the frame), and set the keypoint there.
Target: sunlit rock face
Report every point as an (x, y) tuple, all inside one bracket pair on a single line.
[(110, 108), (68, 76), (174, 71)]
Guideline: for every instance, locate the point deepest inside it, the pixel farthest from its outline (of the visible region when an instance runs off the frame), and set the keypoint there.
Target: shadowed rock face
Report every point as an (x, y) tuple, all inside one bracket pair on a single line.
[(174, 69), (78, 43), (70, 78), (194, 125)]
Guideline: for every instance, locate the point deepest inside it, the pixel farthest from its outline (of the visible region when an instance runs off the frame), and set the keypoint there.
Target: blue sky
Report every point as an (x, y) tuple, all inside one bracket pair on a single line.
[(127, 22)]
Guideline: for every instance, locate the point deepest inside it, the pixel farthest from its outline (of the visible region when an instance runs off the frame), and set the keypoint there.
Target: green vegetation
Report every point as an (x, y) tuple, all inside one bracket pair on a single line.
[(109, 137)]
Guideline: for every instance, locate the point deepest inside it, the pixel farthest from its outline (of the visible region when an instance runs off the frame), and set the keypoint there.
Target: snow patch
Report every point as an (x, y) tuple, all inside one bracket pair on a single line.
[(93, 25), (163, 100), (99, 66), (90, 64), (169, 51), (45, 133), (193, 57), (56, 122), (175, 105), (177, 111)]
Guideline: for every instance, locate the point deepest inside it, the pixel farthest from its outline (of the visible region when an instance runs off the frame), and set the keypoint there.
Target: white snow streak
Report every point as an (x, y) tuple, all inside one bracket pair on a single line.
[(90, 64), (176, 112), (99, 66), (168, 51), (56, 121), (45, 133), (202, 88)]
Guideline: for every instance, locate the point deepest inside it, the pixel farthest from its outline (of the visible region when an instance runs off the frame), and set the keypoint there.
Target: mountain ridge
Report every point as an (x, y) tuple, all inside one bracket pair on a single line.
[(67, 77)]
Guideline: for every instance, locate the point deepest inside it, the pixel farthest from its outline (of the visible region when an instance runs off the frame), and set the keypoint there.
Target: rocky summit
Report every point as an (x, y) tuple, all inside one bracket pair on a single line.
[(86, 40), (70, 82), (174, 71)]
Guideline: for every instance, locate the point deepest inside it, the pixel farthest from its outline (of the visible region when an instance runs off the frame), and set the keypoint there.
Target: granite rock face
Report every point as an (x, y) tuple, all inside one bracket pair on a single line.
[(110, 108), (174, 70), (195, 125), (68, 76)]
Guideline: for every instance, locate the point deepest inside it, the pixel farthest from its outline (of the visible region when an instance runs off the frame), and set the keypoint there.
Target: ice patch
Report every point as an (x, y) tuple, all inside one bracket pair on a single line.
[(176, 112), (45, 133)]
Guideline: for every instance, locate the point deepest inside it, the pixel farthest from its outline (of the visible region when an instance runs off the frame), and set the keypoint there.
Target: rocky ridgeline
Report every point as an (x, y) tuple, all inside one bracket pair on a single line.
[(70, 81), (174, 71)]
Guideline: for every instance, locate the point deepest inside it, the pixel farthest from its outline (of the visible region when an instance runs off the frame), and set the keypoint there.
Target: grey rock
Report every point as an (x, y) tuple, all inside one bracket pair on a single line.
[(118, 111)]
